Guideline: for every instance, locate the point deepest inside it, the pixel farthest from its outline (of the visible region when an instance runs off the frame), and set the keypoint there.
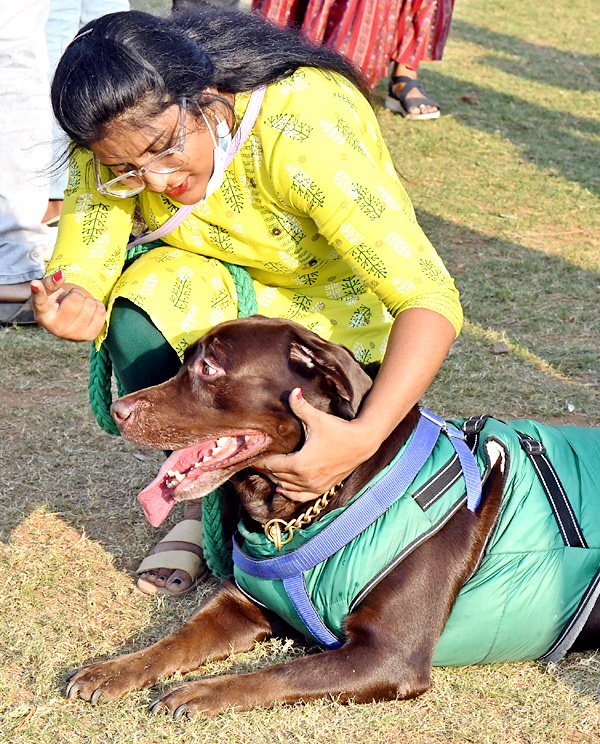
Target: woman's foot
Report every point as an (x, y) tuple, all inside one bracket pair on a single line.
[(176, 564), (406, 96)]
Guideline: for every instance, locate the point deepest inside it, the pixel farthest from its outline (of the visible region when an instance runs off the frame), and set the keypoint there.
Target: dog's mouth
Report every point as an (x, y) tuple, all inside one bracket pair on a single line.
[(193, 472)]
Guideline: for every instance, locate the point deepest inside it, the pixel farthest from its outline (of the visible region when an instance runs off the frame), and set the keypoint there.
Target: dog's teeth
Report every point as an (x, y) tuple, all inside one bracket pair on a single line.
[(222, 441), (174, 478)]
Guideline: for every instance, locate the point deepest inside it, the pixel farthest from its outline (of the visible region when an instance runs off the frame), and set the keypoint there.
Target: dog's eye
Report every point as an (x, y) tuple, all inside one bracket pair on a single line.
[(206, 368)]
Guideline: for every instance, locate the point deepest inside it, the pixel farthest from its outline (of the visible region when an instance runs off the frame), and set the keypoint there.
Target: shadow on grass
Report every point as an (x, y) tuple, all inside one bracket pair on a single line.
[(557, 142), (542, 301), (541, 64)]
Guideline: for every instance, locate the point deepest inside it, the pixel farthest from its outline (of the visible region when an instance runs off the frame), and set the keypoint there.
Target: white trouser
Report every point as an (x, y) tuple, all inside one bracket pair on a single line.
[(25, 135), (65, 19)]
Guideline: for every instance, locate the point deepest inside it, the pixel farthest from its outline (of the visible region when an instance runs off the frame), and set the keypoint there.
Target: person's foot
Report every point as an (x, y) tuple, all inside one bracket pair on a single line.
[(176, 564), (420, 109)]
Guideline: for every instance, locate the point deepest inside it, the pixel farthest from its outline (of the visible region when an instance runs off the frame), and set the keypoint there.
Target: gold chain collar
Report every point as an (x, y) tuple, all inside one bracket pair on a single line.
[(275, 528)]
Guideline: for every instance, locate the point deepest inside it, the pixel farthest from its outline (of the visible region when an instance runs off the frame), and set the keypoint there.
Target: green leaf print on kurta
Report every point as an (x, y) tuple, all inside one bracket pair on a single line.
[(369, 260), (74, 178), (304, 184), (232, 192), (362, 354), (220, 238), (433, 271), (307, 279), (169, 204), (112, 264), (221, 298), (292, 226), (300, 306), (94, 223), (166, 257), (278, 267), (347, 133), (180, 347), (367, 202), (360, 317), (182, 289), (352, 286), (290, 126), (152, 222), (348, 101)]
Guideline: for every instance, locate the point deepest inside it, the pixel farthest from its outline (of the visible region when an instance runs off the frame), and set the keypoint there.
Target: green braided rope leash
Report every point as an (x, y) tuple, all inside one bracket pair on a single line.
[(216, 553)]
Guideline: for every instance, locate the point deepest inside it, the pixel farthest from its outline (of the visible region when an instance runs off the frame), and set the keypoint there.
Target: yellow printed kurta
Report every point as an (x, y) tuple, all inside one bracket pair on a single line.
[(311, 206)]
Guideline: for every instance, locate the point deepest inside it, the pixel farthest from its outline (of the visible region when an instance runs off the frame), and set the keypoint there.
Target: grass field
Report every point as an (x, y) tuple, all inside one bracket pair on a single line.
[(507, 185)]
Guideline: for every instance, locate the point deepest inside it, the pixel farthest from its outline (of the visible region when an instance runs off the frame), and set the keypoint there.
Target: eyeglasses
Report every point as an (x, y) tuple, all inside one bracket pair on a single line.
[(130, 183)]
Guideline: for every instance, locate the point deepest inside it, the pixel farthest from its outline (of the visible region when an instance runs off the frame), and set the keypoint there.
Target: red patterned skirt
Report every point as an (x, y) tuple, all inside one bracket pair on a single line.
[(369, 34)]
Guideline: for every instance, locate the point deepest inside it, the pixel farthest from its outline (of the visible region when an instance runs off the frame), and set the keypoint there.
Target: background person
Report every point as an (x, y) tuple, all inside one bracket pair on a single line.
[(66, 17), (371, 34), (25, 122)]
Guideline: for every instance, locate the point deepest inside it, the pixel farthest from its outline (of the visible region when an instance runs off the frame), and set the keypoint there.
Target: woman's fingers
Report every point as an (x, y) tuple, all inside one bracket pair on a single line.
[(325, 459), (45, 293), (68, 312)]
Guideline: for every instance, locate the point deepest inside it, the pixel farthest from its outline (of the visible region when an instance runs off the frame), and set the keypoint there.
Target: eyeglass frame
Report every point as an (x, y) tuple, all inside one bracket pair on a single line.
[(102, 187)]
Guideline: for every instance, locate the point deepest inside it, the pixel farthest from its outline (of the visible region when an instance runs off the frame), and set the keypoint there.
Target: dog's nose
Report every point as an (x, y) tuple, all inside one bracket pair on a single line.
[(121, 409)]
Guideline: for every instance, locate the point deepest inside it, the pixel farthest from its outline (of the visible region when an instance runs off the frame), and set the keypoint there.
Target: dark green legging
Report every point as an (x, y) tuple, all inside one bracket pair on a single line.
[(139, 353)]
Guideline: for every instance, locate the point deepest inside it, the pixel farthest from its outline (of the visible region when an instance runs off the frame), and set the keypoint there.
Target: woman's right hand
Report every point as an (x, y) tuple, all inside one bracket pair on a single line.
[(66, 310)]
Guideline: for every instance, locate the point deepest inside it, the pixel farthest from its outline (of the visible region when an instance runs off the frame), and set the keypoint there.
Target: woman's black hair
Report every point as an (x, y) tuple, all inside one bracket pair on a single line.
[(133, 62)]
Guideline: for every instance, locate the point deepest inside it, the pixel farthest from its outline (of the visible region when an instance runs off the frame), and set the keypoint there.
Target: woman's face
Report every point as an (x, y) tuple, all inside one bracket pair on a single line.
[(127, 147)]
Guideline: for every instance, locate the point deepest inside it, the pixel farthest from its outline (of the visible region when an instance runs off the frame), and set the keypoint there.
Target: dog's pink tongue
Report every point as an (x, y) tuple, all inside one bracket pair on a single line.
[(157, 502)]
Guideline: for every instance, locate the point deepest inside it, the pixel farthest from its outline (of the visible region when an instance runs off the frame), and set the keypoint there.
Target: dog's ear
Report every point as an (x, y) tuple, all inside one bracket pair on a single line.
[(340, 377)]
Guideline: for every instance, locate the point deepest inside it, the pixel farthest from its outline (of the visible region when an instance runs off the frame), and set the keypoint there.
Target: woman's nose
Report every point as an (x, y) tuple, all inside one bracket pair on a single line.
[(156, 181)]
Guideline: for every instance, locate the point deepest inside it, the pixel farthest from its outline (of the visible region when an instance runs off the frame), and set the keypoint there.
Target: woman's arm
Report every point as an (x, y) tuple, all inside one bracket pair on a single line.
[(418, 343)]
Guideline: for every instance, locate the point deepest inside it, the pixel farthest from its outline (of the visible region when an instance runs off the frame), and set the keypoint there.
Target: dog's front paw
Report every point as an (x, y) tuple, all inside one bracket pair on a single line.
[(107, 680), (205, 697)]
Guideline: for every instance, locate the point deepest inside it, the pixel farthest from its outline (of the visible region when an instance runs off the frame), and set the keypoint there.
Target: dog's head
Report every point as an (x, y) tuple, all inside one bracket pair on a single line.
[(227, 408)]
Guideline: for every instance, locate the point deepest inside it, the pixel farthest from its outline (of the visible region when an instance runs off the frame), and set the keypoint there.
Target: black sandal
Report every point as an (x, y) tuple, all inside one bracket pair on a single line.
[(400, 105)]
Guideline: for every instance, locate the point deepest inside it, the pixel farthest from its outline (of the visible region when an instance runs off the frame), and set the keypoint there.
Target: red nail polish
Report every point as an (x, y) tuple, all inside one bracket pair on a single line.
[(34, 288), (58, 276), (299, 395)]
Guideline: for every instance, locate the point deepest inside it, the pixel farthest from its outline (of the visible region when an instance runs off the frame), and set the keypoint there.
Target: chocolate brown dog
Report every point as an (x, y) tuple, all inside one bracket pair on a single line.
[(222, 414)]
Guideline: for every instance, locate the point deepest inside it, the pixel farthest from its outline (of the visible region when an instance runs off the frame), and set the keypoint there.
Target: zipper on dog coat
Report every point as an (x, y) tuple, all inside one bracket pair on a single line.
[(535, 584)]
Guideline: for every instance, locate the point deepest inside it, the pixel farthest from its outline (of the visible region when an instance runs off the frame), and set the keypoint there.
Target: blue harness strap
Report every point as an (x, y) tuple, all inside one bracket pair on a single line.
[(376, 499)]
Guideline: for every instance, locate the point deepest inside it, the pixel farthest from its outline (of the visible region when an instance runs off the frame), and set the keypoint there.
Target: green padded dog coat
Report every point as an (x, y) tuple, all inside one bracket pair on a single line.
[(537, 580)]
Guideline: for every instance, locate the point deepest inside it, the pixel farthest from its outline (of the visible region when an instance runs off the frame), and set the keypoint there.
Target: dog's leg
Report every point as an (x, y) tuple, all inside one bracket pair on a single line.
[(391, 637), (226, 623)]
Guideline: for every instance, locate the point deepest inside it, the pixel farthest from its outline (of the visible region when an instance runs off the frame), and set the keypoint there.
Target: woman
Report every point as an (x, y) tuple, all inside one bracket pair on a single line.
[(310, 205), (371, 34)]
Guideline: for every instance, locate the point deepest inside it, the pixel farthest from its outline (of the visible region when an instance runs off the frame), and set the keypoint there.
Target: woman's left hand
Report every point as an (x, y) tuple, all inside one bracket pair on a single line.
[(332, 450)]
